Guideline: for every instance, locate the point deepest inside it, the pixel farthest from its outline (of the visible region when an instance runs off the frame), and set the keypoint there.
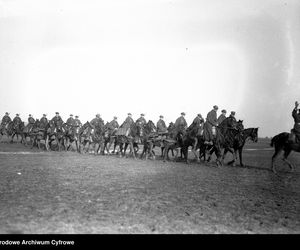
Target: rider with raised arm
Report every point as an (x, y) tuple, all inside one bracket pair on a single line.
[(295, 132)]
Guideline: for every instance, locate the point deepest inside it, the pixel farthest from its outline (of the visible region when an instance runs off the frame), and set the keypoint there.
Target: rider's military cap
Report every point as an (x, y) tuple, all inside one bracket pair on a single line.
[(161, 116), (6, 113), (215, 107), (142, 114), (182, 113), (232, 113), (224, 111), (71, 115), (76, 116), (129, 114), (57, 113), (115, 117)]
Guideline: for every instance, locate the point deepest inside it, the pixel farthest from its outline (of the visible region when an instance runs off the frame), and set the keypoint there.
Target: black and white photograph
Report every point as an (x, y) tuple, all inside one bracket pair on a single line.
[(151, 117)]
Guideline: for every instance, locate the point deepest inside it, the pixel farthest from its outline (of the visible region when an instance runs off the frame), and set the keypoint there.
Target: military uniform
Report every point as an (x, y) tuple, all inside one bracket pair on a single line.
[(180, 123), (31, 120), (71, 121), (129, 121), (211, 121), (141, 121), (6, 119), (96, 122), (113, 124), (198, 120), (57, 119), (161, 126), (77, 122), (221, 118), (44, 121), (17, 120)]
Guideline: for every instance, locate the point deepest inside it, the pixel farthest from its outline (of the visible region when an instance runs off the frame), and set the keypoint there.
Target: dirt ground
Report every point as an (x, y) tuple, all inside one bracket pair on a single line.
[(65, 192)]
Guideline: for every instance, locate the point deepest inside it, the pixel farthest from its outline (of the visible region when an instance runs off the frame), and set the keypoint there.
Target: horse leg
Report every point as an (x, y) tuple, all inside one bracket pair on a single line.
[(285, 156), (133, 151), (274, 157), (241, 157)]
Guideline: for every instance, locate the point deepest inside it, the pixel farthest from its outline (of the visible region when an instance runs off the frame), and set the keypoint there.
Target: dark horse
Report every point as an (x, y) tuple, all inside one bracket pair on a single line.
[(71, 135), (109, 137), (148, 139), (238, 145), (131, 137), (227, 135), (191, 138), (174, 141), (282, 142)]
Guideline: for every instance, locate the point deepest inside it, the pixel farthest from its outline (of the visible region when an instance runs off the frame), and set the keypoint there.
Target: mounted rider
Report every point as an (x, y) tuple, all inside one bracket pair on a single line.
[(161, 125), (210, 125), (31, 120), (57, 119), (128, 121), (43, 121), (180, 123), (199, 122), (5, 119), (222, 116), (96, 121), (295, 132), (77, 122), (71, 121), (114, 125), (232, 119), (17, 120), (141, 121)]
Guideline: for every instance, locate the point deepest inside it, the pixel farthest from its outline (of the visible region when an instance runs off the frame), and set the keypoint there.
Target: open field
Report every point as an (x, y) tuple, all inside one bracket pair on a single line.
[(65, 192)]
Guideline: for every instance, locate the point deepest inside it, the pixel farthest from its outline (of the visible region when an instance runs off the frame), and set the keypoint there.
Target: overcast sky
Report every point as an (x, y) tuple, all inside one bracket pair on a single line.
[(151, 56)]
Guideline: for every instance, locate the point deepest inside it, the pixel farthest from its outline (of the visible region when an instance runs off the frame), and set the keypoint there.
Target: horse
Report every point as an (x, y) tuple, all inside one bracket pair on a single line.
[(56, 133), (282, 142), (148, 137), (71, 135), (17, 129), (131, 138), (6, 129), (109, 137), (173, 141), (251, 133), (84, 134), (27, 133), (191, 138), (97, 138), (227, 133), (39, 132)]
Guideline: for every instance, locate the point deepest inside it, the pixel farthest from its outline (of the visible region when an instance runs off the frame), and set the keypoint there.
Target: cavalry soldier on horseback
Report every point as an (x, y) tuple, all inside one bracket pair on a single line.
[(222, 116), (71, 121), (114, 125), (232, 119), (161, 125), (210, 125), (96, 121), (141, 121), (56, 119), (77, 122), (6, 119), (181, 123), (31, 120), (295, 132), (199, 121), (17, 119), (44, 120), (129, 120)]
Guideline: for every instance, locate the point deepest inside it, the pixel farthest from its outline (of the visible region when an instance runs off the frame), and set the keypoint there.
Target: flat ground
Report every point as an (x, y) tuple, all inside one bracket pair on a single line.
[(65, 192)]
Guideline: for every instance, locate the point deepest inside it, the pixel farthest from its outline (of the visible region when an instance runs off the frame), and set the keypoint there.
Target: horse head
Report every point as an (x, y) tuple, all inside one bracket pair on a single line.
[(254, 134)]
